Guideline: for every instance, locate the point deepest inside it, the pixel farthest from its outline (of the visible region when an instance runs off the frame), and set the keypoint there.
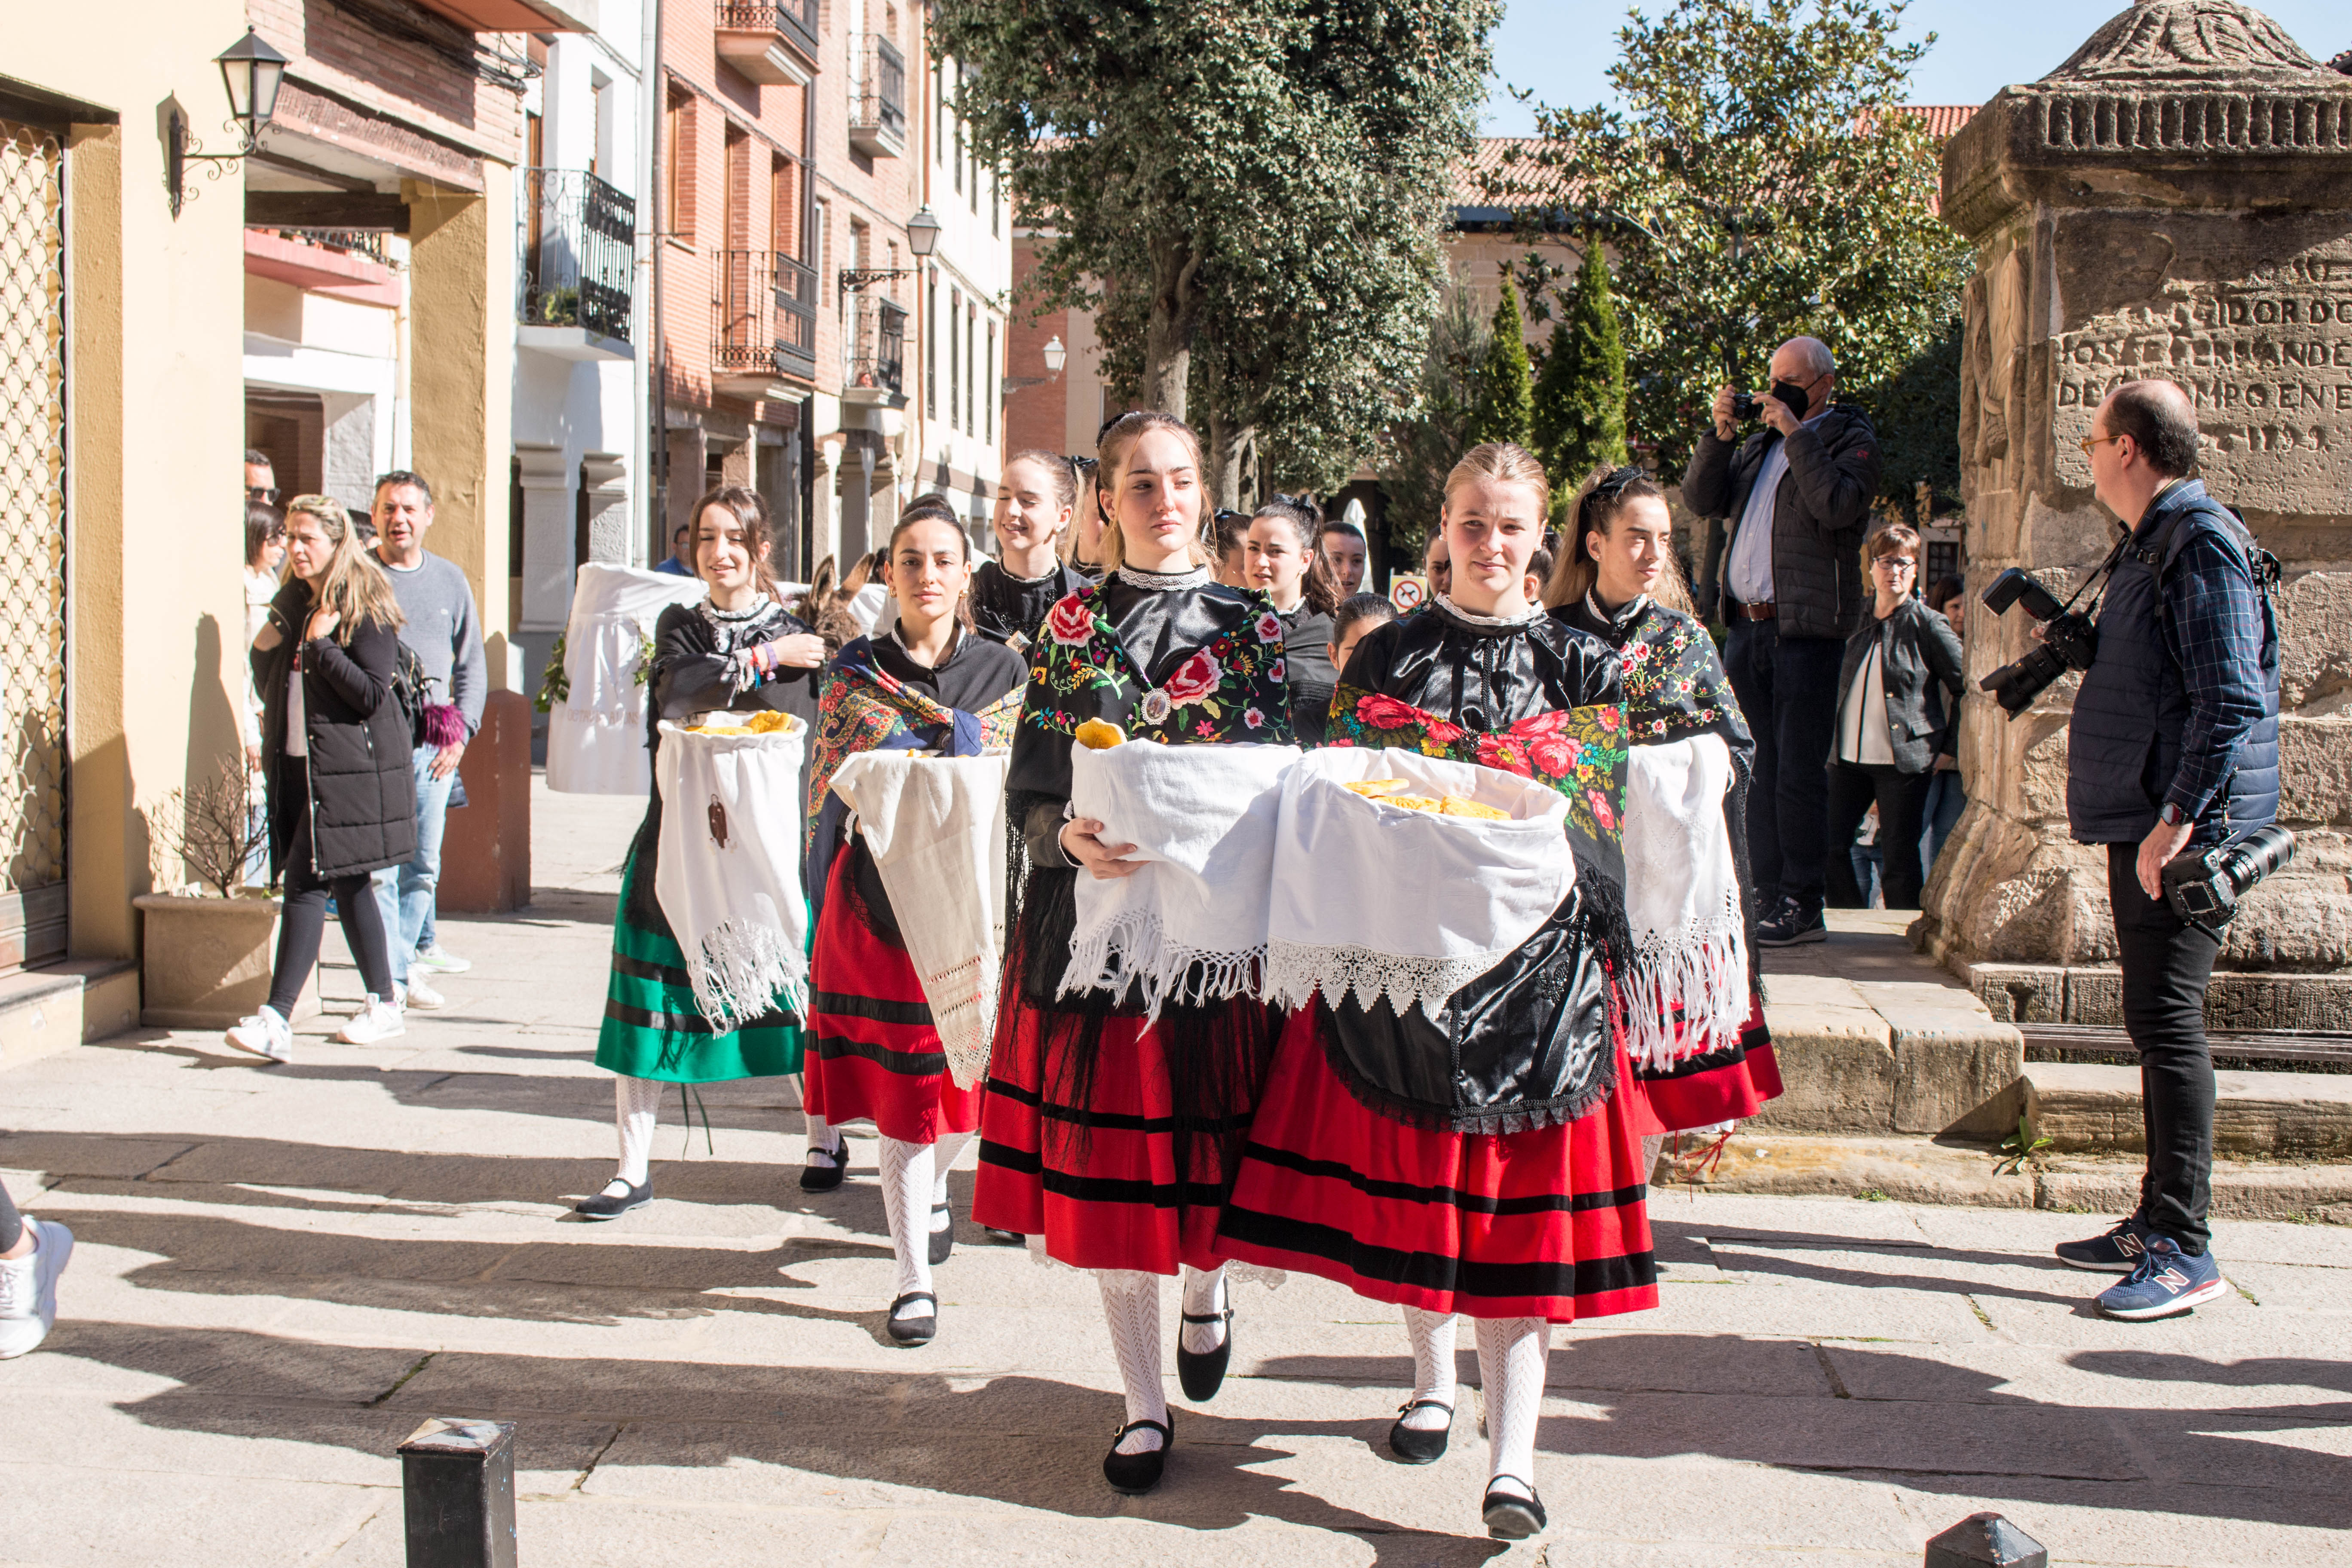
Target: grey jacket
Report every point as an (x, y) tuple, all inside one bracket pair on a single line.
[(1819, 588), (1918, 663)]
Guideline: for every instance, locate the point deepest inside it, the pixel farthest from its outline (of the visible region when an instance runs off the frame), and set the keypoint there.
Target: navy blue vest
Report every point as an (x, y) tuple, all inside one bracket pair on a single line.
[(2123, 743)]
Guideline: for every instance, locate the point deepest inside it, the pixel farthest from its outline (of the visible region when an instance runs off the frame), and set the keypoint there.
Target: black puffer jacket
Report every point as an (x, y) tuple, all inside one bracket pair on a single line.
[(362, 789), (1819, 588)]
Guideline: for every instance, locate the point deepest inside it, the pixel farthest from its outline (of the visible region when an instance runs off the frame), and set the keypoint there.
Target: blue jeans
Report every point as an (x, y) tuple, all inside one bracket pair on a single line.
[(1947, 798), (406, 893), (1788, 688)]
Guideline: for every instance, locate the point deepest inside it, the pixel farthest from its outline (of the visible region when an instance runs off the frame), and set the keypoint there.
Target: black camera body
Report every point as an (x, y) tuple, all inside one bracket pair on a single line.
[(2204, 889), (2069, 641), (1746, 406)]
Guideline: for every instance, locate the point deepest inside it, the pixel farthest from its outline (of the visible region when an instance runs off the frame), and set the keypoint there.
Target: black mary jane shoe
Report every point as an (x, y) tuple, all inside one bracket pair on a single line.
[(1203, 1372), (1134, 1474), (943, 1237), (1510, 1518), (1420, 1445), (817, 1178), (600, 1206), (913, 1331)]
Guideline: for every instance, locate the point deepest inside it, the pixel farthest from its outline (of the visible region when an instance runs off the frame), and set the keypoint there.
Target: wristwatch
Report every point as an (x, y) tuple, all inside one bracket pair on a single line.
[(2172, 815)]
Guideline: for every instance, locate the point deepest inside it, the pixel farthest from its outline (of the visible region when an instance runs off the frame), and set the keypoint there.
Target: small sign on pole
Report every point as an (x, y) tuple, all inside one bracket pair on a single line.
[(1409, 592)]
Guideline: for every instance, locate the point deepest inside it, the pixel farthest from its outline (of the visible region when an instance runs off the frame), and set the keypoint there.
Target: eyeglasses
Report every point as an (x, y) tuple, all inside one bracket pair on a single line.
[(2088, 442), (1896, 564), (261, 492)]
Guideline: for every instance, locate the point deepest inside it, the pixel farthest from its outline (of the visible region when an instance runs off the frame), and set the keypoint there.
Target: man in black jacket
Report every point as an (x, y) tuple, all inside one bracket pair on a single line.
[(1796, 499)]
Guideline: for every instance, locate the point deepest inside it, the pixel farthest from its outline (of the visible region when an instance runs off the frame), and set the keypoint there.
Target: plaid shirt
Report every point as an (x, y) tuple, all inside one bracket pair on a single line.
[(2213, 627)]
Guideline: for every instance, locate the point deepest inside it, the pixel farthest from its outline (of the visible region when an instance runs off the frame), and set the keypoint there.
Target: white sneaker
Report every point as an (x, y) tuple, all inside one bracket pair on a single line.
[(28, 1288), (376, 1022), (432, 957), (421, 995), (265, 1034)]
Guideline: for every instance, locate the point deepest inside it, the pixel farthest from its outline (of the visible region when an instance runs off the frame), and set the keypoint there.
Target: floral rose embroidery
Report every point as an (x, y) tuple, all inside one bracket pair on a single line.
[(1280, 671), (1254, 719), (1071, 622), (1503, 752), (1195, 678), (1204, 730), (1601, 812), (1270, 628), (1555, 754), (1382, 712)]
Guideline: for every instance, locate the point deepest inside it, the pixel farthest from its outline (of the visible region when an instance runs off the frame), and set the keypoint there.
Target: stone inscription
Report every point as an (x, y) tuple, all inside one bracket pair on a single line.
[(2268, 359)]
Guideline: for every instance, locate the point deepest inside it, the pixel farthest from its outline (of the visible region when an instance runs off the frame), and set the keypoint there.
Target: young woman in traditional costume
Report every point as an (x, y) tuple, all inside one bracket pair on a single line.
[(1280, 560), (927, 683), (1485, 1161), (1106, 1133), (737, 651), (1036, 507), (1701, 1054)]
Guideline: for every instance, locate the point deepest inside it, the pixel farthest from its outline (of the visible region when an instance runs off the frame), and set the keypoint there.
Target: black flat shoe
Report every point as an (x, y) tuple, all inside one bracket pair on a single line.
[(913, 1331), (1203, 1372), (1420, 1445), (1512, 1518), (943, 1237), (601, 1206), (1134, 1474), (817, 1178)]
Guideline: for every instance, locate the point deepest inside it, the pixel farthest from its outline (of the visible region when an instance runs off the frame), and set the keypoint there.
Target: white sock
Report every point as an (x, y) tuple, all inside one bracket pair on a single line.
[(637, 1105), (1433, 1366), (821, 1135), (1651, 1144), (1204, 1292), (905, 1204), (944, 1154), (1511, 1353), (1131, 1307)]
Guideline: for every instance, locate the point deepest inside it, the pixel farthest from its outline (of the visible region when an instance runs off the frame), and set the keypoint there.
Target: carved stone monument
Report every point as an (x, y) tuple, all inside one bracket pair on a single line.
[(2174, 201)]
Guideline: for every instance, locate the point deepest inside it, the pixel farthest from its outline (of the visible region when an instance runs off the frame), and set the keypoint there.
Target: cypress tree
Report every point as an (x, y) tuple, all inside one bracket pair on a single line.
[(1504, 404), (1579, 399)]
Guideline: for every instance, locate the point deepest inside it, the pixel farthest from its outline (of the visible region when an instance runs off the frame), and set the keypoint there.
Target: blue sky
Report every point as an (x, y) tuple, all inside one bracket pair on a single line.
[(1562, 47)]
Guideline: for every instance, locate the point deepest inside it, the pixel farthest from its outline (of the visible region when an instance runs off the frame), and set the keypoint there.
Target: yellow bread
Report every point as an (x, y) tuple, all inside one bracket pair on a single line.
[(1463, 806), (1098, 735), (1377, 787)]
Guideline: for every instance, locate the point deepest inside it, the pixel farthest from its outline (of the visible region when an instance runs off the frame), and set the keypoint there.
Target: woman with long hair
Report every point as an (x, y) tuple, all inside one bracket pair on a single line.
[(1105, 1133), (335, 748), (1619, 582), (1036, 507), (1481, 1158), (737, 651), (1282, 559), (928, 682)]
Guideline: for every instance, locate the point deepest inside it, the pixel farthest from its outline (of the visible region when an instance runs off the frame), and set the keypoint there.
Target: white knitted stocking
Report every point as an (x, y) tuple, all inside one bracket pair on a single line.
[(1433, 1366), (637, 1105), (1511, 1353), (1131, 1308), (1204, 1292)]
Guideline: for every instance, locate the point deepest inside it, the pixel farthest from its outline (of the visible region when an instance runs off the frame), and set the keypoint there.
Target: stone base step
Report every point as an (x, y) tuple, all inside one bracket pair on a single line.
[(61, 1004), (2086, 1108)]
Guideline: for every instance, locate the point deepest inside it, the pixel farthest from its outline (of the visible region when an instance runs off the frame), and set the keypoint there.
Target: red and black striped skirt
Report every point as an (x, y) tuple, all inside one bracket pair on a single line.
[(873, 1054), (1551, 1223), (1727, 1085)]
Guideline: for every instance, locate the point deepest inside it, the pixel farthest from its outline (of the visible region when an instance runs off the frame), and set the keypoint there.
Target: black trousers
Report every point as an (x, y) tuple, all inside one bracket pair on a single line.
[(2166, 963), (1902, 809), (1787, 688), (302, 920)]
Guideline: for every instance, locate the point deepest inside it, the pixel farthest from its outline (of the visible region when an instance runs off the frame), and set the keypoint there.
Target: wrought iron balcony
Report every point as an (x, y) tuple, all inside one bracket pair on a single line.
[(875, 348), (577, 239), (772, 45), (763, 320), (877, 110)]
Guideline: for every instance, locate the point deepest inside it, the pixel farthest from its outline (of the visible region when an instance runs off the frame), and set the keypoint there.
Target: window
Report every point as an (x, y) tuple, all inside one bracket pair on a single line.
[(938, 111), (959, 141), (955, 309), (735, 209), (931, 346), (677, 173), (821, 248), (995, 204), (988, 386), (970, 370), (602, 161)]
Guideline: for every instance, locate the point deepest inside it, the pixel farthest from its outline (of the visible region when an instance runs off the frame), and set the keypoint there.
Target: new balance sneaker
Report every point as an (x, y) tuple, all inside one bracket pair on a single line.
[(372, 1023), (2117, 1252), (1791, 924), (433, 956), (2165, 1281), (265, 1034), (28, 1288), (421, 995)]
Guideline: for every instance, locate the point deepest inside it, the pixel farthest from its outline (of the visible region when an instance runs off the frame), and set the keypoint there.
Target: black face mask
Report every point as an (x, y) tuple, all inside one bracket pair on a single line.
[(1795, 396)]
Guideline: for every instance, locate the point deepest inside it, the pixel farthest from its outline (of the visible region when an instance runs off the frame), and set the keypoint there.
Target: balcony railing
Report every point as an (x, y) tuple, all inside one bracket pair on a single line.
[(764, 318), (578, 242), (748, 36), (877, 118), (875, 347)]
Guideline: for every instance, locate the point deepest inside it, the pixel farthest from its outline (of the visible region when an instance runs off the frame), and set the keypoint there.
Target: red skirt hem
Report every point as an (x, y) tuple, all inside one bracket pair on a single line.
[(873, 1055)]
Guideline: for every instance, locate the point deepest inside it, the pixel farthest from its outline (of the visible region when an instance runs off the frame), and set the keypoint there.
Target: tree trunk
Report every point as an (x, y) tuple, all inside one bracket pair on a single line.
[(1167, 332)]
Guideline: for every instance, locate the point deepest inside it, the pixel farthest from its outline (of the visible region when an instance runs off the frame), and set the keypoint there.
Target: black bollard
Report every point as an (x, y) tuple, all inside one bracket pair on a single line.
[(1986, 1541), (456, 1483)]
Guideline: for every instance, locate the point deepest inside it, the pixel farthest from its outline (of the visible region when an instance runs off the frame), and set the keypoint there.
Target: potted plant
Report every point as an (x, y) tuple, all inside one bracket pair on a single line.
[(207, 948)]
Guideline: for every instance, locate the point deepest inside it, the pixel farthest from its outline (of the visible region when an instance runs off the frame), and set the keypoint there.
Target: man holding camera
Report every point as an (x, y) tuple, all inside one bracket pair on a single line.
[(2173, 747), (1798, 493)]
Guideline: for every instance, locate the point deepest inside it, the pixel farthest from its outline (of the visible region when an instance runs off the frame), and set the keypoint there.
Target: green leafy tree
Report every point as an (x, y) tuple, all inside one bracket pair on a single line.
[(1258, 183), (1580, 396), (1916, 412), (1502, 408), (1421, 449), (1758, 184)]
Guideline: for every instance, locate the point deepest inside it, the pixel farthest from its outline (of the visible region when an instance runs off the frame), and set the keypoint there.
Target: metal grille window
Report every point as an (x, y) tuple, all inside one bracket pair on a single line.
[(577, 252), (32, 545)]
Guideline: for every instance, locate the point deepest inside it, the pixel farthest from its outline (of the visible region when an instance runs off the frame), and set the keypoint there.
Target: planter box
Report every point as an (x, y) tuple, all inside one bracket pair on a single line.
[(205, 962)]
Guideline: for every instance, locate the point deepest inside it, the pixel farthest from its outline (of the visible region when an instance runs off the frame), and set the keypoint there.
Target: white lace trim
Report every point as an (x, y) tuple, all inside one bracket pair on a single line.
[(1136, 577), (1490, 623), (742, 969), (1295, 972), (1134, 946), (1698, 974)]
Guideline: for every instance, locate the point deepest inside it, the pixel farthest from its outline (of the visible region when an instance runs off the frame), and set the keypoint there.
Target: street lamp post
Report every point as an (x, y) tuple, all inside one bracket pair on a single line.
[(252, 72), (922, 238)]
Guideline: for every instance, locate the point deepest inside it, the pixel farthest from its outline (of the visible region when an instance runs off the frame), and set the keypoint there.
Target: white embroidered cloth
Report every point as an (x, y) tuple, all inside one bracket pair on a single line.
[(730, 869), (1682, 900), (1190, 926), (1375, 900), (596, 736), (936, 828)]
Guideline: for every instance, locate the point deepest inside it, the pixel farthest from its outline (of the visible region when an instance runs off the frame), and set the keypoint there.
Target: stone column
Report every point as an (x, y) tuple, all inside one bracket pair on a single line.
[(605, 475), (2174, 201), (548, 511)]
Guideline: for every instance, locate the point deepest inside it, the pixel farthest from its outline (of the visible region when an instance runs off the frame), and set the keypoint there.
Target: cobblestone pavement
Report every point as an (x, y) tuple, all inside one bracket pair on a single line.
[(282, 1272)]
